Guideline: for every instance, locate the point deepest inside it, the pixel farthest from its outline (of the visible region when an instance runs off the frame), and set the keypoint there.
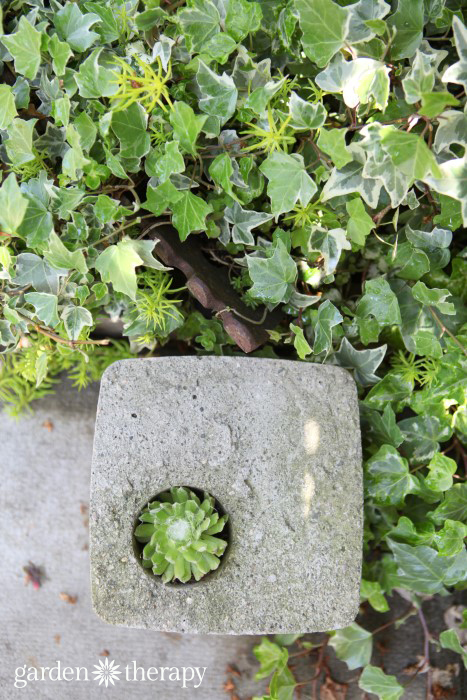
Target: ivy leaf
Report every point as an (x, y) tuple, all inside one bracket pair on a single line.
[(60, 52), (451, 180), (94, 80), (407, 24), (351, 179), (221, 171), (283, 684), (218, 97), (186, 125), (364, 362), (161, 197), (373, 593), (453, 506), (33, 270), (457, 72), (327, 317), (74, 27), (305, 115), (243, 221), (272, 277), (421, 435), (330, 244), (380, 302), (353, 644), (411, 262), (420, 79), (363, 15), (117, 264), (19, 145), (374, 680), (450, 539), (271, 657), (433, 103), (45, 306), (389, 479), (242, 18), (440, 469), (324, 25), (301, 344), (410, 153), (74, 159), (449, 639), (75, 318), (169, 163), (429, 240), (433, 297), (189, 214), (392, 388), (405, 530), (382, 429), (129, 126), (199, 23), (13, 205), (332, 142), (7, 106), (420, 569), (360, 224), (25, 47), (288, 183), (59, 257)]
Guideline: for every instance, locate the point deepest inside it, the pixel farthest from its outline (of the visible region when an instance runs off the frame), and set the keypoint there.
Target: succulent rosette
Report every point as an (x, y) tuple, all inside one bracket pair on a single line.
[(180, 535)]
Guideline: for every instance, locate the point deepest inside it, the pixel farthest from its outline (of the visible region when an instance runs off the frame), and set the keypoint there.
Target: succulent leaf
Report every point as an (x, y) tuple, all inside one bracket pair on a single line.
[(179, 532)]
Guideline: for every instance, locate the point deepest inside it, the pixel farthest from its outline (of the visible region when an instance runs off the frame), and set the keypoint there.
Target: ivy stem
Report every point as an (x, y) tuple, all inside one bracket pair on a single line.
[(134, 222), (446, 330)]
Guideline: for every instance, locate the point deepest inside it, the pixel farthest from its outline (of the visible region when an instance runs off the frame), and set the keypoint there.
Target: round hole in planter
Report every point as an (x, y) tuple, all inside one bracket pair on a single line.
[(181, 536)]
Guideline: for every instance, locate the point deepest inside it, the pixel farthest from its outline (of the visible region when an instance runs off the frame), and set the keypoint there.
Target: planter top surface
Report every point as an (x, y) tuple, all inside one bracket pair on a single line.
[(278, 445)]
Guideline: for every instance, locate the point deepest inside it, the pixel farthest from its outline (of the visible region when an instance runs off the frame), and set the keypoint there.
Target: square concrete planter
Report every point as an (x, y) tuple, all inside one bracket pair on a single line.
[(277, 443)]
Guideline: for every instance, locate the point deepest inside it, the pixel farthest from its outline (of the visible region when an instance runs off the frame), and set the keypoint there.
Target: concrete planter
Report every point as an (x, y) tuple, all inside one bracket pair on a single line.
[(277, 443)]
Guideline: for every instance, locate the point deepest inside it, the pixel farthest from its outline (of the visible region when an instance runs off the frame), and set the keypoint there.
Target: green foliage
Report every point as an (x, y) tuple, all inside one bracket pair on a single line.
[(179, 532), (333, 188)]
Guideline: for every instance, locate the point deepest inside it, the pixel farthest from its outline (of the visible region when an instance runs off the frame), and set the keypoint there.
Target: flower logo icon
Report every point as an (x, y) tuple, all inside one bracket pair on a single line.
[(106, 673)]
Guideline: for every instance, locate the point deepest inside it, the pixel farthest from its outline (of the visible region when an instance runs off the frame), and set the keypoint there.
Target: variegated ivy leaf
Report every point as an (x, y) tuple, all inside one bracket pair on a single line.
[(221, 171), (380, 166), (362, 13), (361, 81), (186, 125), (457, 72), (75, 319), (242, 17), (199, 23), (330, 244), (7, 106), (218, 97), (374, 680), (305, 115), (288, 183), (352, 644), (327, 317), (259, 98), (170, 162), (60, 52), (117, 264), (243, 221), (74, 27), (452, 129), (407, 28), (324, 25), (272, 277), (45, 306), (130, 127), (19, 146), (451, 179), (25, 47), (433, 297), (410, 153), (350, 179), (189, 214), (13, 205), (332, 142), (93, 79), (60, 257), (390, 480), (33, 270), (420, 78), (364, 362)]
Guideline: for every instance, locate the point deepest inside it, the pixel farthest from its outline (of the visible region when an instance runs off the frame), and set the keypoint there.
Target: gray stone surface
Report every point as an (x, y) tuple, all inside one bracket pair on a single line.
[(278, 444)]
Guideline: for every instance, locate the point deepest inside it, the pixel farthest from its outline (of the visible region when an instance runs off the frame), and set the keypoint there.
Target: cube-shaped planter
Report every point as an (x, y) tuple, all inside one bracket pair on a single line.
[(277, 443)]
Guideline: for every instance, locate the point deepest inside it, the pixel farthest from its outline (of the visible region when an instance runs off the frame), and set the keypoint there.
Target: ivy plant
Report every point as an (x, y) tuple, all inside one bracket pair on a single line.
[(312, 149)]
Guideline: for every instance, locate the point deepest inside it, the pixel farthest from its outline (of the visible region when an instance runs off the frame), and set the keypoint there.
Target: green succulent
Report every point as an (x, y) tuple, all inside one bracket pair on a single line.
[(180, 530)]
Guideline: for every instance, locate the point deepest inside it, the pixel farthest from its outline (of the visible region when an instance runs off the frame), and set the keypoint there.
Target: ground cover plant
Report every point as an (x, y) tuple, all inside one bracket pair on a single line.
[(314, 152)]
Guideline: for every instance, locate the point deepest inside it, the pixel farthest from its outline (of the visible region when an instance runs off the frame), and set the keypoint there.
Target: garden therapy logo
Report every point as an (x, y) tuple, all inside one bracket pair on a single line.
[(107, 672)]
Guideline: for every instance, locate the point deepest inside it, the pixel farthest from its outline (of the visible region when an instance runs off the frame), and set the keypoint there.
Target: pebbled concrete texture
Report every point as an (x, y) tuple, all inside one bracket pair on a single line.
[(278, 444)]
